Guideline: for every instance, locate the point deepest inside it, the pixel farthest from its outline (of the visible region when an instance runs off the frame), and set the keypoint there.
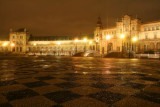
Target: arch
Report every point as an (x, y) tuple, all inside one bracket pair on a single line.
[(158, 45), (110, 47), (152, 46)]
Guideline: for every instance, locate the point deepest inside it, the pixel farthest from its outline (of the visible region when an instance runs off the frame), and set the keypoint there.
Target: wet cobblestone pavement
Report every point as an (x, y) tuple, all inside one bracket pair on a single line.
[(79, 82)]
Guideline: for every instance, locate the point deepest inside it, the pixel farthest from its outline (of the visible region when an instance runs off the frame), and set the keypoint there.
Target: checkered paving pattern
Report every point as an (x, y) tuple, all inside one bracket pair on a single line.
[(79, 82)]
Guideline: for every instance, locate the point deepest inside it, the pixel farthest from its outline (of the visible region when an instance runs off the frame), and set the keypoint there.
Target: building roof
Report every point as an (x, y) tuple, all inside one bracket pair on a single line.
[(56, 38)]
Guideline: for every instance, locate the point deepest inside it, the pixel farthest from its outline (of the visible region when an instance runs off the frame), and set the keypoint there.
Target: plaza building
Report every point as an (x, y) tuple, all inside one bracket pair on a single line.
[(20, 41), (129, 35)]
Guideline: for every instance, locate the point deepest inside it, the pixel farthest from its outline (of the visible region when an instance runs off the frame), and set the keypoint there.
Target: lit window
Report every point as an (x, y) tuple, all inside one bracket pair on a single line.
[(153, 28), (145, 29), (149, 29), (155, 35), (146, 36)]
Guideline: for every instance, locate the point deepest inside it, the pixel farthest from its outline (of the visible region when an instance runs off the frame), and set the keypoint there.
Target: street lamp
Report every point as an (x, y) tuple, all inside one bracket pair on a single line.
[(58, 43), (108, 37), (12, 45), (90, 42), (4, 45), (34, 44), (76, 40), (122, 37), (34, 49), (85, 40), (134, 39)]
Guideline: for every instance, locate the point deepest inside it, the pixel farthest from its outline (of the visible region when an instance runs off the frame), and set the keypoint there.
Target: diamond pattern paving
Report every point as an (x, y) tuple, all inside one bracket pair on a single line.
[(107, 97), (62, 96), (93, 82), (20, 94)]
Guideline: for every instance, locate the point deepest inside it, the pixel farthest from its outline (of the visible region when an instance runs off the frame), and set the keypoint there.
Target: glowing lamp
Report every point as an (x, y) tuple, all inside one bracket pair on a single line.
[(5, 44), (134, 39), (12, 44), (76, 40), (58, 43), (85, 39), (122, 36), (90, 42), (108, 37), (34, 44)]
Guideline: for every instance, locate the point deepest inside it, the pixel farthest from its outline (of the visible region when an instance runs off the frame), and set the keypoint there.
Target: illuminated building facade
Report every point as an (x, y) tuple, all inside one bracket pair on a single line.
[(129, 35), (21, 41)]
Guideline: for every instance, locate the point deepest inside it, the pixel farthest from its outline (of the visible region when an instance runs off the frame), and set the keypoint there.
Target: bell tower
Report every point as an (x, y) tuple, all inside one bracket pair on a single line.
[(98, 34)]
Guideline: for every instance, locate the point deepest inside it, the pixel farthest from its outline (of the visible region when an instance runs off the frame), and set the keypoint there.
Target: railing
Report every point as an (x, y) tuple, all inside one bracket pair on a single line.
[(147, 55)]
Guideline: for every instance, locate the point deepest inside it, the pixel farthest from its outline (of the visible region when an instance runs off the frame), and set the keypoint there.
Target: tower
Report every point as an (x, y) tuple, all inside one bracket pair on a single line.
[(19, 40), (98, 35)]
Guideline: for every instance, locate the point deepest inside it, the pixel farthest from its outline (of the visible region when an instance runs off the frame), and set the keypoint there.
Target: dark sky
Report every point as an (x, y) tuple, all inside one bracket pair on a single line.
[(58, 17)]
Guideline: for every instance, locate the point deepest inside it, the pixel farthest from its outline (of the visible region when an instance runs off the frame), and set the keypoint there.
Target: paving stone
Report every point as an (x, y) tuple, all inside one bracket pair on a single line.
[(13, 95), (107, 97), (36, 84), (62, 96), (94, 82)]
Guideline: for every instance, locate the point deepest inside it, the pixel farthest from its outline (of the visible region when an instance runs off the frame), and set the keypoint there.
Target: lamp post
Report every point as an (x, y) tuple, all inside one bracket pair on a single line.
[(108, 37), (12, 45), (34, 48), (122, 37), (134, 39), (90, 43), (85, 40), (76, 41), (5, 44), (58, 43)]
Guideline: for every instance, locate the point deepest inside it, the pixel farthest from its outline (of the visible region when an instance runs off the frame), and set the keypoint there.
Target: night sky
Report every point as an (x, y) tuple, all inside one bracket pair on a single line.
[(61, 17)]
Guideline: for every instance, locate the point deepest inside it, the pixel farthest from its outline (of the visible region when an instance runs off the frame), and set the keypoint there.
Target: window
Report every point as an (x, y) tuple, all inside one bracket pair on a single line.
[(20, 49), (13, 37), (145, 29), (149, 29), (155, 35), (132, 28), (153, 28), (21, 43), (157, 27), (146, 36), (21, 37)]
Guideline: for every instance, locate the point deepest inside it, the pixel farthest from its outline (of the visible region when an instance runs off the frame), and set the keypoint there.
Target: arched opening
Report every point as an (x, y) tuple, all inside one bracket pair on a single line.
[(158, 46), (110, 47)]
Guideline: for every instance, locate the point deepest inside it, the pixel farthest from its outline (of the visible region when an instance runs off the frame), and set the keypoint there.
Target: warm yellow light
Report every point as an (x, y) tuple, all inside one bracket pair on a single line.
[(5, 44), (85, 39), (122, 36), (12, 44), (58, 43), (76, 40), (108, 37), (134, 39), (34, 44), (90, 42)]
